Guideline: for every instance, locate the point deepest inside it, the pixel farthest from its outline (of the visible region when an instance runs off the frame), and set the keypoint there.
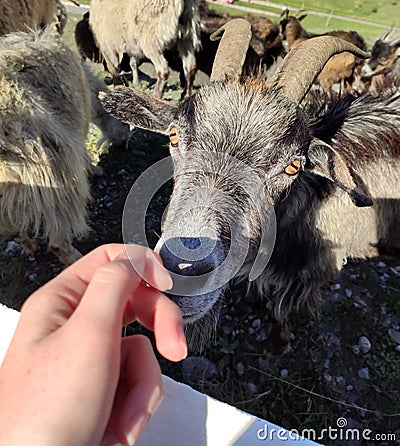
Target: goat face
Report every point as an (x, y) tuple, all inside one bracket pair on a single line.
[(229, 169), (383, 56), (236, 148)]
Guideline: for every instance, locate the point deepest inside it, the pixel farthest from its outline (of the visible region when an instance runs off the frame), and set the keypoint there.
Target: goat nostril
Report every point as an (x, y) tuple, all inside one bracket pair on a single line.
[(191, 242)]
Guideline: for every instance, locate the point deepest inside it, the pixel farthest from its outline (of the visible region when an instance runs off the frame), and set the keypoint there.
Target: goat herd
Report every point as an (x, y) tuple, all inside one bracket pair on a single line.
[(270, 145)]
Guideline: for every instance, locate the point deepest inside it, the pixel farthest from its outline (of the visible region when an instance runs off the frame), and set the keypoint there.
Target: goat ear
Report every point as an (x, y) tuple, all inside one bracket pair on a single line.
[(139, 109), (325, 161)]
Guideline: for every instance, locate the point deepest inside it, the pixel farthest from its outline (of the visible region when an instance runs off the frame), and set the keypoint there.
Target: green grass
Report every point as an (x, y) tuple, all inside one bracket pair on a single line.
[(384, 14)]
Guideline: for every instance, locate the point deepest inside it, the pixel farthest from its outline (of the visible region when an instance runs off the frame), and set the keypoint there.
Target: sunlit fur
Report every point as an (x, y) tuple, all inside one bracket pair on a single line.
[(45, 110), (21, 15)]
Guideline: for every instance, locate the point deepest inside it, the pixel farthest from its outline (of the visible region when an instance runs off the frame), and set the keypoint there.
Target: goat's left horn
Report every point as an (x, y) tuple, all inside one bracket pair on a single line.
[(304, 62), (386, 35), (232, 49)]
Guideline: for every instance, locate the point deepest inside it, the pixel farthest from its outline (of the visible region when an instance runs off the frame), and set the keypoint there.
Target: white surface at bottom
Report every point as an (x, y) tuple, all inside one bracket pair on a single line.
[(187, 417)]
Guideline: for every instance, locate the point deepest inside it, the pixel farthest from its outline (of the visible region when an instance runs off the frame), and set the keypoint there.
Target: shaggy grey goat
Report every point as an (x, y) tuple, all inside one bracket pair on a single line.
[(45, 109), (147, 28), (251, 161)]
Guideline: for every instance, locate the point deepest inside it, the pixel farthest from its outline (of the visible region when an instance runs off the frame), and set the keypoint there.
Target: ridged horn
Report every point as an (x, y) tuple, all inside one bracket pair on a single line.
[(304, 62), (232, 49), (395, 41)]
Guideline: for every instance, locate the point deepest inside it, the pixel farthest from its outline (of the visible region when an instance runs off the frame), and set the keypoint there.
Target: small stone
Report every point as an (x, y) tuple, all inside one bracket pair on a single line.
[(13, 246), (356, 349), (363, 373), (397, 348), (252, 387), (284, 373), (256, 323), (197, 369), (394, 335), (328, 377), (339, 379), (240, 368), (348, 293), (381, 265), (333, 340), (364, 344), (336, 287), (349, 388), (261, 336)]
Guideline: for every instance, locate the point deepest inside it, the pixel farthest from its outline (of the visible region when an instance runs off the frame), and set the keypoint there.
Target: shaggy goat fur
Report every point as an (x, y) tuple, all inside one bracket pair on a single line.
[(45, 110), (20, 15), (234, 146), (147, 29)]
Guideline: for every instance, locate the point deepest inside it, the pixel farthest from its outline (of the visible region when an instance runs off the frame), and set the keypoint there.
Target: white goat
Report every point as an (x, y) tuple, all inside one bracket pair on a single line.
[(146, 29), (45, 109)]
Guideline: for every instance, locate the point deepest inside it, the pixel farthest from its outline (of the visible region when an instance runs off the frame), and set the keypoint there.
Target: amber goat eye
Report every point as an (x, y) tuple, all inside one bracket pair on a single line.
[(293, 167), (173, 137)]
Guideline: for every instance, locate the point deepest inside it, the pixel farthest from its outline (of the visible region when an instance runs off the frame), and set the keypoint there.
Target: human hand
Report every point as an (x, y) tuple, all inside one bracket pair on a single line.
[(68, 377)]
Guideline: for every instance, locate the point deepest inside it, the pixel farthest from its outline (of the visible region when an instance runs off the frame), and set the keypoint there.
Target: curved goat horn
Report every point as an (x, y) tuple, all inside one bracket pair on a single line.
[(386, 35), (304, 62), (232, 49), (395, 41)]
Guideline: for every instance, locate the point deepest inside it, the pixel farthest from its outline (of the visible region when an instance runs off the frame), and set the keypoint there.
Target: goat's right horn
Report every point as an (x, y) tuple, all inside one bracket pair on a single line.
[(304, 62), (395, 41), (232, 49)]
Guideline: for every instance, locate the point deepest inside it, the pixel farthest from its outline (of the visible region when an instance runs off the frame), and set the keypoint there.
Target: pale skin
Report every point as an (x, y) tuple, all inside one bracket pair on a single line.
[(68, 377)]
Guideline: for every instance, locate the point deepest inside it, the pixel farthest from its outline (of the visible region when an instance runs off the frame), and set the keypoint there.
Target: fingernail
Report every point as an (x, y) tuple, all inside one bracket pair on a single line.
[(182, 340), (163, 281), (138, 424), (136, 258), (171, 283), (140, 420)]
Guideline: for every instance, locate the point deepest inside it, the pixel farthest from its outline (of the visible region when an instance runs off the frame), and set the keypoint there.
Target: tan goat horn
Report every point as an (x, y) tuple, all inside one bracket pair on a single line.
[(232, 49), (304, 62)]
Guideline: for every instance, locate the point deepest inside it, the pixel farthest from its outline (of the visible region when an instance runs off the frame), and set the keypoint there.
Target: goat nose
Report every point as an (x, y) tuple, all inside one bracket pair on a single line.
[(189, 256), (191, 242)]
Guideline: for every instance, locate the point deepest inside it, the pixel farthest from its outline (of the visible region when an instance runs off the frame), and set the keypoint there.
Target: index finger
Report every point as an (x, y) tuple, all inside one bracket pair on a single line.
[(59, 298)]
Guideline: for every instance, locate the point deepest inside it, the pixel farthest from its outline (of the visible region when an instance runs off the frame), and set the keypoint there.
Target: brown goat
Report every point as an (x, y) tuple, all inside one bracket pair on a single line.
[(341, 67), (265, 45), (384, 58)]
